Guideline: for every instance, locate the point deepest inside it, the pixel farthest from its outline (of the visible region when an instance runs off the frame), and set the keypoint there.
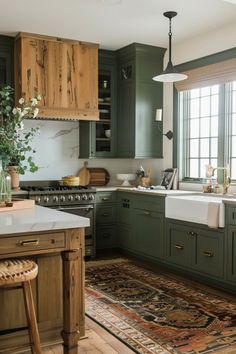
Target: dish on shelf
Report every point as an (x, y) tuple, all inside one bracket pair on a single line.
[(107, 99), (104, 110), (126, 177), (100, 100), (108, 133)]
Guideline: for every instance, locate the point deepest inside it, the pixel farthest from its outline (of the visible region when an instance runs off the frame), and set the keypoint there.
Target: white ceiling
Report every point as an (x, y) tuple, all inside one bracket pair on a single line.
[(116, 25)]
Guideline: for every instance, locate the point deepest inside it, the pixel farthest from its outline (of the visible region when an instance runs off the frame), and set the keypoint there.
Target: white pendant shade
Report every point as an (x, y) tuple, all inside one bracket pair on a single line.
[(170, 77)]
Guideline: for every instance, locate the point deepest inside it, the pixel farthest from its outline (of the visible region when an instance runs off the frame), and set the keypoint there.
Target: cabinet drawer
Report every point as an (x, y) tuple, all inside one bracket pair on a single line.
[(150, 203), (106, 237), (106, 214), (106, 197), (231, 215), (35, 242)]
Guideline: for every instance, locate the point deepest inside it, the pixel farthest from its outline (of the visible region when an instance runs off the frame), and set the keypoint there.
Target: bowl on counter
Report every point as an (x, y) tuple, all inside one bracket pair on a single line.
[(126, 178)]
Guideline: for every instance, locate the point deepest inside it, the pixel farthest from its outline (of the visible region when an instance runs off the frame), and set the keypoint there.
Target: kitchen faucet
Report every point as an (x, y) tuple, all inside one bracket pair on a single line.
[(226, 178)]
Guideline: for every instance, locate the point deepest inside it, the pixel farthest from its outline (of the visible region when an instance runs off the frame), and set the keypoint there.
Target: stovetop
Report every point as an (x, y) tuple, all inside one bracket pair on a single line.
[(47, 193), (55, 188)]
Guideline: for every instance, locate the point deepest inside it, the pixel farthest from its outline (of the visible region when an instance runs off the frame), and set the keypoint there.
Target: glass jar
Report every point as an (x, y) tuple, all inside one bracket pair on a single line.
[(5, 187)]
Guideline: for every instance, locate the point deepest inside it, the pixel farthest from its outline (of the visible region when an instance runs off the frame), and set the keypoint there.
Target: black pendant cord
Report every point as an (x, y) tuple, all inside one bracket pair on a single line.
[(170, 38)]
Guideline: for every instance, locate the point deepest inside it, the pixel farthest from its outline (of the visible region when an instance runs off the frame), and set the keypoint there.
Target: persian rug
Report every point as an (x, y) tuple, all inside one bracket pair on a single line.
[(155, 312)]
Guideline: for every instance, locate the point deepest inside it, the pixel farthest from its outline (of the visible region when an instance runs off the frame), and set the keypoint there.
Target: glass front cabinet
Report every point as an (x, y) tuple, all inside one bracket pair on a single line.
[(97, 139), (6, 60)]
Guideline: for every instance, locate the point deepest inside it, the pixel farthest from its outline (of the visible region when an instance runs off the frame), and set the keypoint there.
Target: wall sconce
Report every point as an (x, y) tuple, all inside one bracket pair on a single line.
[(158, 118)]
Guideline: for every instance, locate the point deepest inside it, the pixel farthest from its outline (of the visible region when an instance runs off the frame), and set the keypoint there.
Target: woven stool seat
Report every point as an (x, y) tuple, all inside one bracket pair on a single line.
[(17, 271)]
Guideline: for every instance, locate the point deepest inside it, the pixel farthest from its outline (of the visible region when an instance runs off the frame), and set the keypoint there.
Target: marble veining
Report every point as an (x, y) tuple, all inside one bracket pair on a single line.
[(39, 219)]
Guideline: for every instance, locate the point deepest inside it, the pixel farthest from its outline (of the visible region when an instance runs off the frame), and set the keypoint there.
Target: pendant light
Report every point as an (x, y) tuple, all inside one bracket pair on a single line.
[(170, 74)]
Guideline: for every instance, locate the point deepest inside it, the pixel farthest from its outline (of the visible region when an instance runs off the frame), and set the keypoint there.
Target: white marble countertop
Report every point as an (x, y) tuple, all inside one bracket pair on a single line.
[(38, 219)]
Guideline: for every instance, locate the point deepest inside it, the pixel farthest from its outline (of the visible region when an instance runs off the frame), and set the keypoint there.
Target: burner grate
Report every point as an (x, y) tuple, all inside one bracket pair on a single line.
[(54, 188)]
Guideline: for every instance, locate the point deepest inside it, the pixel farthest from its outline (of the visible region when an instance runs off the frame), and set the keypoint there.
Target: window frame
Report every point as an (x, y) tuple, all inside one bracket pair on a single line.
[(207, 60)]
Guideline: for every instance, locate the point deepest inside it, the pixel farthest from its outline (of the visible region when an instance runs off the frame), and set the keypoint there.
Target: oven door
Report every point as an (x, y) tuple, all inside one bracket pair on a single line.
[(82, 210)]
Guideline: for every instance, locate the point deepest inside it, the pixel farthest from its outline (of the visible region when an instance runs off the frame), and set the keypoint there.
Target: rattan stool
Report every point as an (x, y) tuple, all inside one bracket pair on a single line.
[(14, 271)]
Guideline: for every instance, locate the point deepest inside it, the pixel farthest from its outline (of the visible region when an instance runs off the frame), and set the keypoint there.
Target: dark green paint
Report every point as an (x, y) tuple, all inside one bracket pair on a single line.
[(6, 60)]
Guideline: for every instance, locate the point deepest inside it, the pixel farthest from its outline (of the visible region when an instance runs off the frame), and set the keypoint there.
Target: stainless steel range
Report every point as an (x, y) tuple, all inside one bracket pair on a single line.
[(74, 200)]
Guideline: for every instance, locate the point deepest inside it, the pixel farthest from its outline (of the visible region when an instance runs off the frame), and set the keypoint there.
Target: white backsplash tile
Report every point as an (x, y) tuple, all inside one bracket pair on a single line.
[(57, 151)]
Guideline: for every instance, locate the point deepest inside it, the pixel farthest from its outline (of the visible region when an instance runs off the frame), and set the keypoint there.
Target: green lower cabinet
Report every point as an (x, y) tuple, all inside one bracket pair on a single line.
[(210, 252), (126, 238), (106, 218), (125, 221), (180, 246), (149, 233), (196, 248), (106, 237), (231, 254)]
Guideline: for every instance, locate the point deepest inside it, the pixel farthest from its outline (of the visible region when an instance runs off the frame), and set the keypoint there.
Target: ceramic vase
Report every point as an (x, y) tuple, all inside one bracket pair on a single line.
[(15, 180)]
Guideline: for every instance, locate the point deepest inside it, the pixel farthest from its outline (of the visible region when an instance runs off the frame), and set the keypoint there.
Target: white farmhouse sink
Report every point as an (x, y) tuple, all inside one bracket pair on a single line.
[(195, 208)]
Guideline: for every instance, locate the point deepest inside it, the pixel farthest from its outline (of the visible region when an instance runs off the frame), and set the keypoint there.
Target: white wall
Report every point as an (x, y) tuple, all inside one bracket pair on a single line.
[(58, 144)]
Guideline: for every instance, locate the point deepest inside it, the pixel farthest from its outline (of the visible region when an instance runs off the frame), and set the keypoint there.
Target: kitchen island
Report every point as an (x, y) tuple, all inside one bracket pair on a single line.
[(55, 240)]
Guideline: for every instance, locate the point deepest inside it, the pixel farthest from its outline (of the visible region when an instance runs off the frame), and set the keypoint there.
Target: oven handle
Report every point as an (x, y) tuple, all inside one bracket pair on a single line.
[(76, 207)]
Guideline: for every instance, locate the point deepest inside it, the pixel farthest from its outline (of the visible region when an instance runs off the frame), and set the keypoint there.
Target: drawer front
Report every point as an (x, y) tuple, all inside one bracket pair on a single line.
[(209, 255), (150, 203), (106, 214), (105, 197), (231, 215), (23, 243), (106, 237)]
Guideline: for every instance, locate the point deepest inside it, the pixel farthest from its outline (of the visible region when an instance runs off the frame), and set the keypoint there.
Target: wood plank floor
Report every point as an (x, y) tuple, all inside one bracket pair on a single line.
[(99, 341)]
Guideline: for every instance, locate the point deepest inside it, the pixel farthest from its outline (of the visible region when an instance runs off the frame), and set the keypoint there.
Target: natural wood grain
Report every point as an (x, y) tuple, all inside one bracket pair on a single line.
[(98, 341), (31, 319), (47, 290), (63, 72)]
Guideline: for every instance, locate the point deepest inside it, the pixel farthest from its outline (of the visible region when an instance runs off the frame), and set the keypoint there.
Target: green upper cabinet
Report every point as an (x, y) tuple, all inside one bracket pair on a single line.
[(138, 134), (98, 139), (6, 60)]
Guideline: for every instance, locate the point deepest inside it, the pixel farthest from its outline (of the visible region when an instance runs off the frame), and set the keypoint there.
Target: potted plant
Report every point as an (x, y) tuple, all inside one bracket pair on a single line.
[(16, 152)]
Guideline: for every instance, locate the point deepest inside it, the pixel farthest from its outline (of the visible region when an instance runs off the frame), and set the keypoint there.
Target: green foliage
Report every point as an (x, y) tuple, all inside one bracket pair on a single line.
[(15, 149)]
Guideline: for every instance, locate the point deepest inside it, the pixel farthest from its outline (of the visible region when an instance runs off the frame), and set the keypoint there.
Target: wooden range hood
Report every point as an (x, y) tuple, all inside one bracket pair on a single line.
[(64, 72)]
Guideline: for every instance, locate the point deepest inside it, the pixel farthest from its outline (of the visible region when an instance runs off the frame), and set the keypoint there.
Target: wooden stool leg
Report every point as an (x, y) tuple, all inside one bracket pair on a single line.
[(31, 318)]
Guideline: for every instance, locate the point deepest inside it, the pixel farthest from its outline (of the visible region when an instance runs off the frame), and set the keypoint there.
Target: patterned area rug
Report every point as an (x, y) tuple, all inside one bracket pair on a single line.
[(157, 313)]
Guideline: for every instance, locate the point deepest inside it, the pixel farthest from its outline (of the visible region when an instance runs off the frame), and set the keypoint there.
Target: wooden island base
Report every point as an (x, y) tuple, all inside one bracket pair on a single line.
[(58, 290)]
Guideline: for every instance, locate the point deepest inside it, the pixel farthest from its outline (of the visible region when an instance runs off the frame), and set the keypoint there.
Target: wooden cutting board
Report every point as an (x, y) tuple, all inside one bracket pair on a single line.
[(84, 175), (98, 176)]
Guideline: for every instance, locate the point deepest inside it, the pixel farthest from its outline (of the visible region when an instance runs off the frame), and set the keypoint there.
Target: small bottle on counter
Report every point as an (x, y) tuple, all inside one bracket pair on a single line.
[(217, 188)]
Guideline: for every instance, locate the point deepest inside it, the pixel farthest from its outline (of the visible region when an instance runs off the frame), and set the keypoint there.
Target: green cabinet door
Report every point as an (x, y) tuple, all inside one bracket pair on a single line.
[(125, 221), (138, 134), (231, 253), (209, 252), (149, 233), (180, 244), (6, 60)]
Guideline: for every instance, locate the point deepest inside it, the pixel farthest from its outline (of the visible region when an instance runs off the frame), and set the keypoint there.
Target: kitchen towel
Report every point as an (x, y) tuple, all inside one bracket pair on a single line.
[(213, 215)]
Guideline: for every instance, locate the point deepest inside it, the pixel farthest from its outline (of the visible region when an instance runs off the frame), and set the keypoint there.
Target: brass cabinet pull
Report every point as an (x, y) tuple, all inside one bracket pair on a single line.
[(105, 199), (33, 242), (178, 247), (146, 212), (105, 214), (208, 254), (191, 233)]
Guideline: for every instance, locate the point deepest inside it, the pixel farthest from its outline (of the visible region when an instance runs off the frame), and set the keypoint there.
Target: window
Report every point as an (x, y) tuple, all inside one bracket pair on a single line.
[(207, 129)]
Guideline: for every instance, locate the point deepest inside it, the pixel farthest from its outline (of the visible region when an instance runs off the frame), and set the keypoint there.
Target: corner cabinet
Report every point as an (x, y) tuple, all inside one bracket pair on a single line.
[(98, 139), (64, 72), (138, 134), (6, 60)]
